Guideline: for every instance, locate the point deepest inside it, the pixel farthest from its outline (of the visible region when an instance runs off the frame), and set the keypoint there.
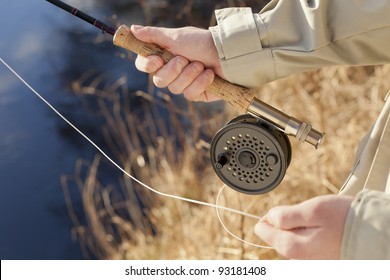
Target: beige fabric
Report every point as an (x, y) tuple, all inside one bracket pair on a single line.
[(367, 230), (372, 164), (369, 215), (292, 36)]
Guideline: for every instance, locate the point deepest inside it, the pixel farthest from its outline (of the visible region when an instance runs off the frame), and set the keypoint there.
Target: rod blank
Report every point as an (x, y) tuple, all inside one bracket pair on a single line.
[(239, 97), (84, 16)]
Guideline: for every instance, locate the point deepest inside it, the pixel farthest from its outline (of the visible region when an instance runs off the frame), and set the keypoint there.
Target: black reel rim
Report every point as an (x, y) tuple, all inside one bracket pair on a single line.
[(250, 155)]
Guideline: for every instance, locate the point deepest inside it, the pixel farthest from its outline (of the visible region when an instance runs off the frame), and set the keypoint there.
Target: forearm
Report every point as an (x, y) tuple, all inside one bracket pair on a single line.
[(292, 36)]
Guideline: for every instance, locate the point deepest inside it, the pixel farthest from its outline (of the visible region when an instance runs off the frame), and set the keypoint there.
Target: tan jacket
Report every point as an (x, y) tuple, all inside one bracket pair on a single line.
[(292, 36)]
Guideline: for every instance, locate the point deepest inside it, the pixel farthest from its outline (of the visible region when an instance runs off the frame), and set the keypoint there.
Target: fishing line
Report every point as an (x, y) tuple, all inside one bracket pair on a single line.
[(227, 230), (131, 176)]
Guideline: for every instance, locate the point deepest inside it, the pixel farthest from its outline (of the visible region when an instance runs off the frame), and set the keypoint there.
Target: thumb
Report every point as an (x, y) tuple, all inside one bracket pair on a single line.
[(287, 217), (149, 34)]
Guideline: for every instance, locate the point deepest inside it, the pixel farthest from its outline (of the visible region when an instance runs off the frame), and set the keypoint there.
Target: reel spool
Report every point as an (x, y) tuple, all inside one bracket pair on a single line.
[(250, 155)]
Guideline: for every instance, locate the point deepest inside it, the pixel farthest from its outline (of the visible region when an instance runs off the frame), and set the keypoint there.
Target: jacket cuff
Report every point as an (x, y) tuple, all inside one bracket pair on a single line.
[(238, 41), (366, 231), (235, 25)]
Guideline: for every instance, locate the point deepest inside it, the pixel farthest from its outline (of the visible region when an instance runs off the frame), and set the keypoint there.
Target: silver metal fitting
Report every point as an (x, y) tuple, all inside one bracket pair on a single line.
[(289, 125)]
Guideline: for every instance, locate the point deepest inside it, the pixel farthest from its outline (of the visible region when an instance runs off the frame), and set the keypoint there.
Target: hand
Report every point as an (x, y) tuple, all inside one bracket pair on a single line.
[(192, 69), (312, 229)]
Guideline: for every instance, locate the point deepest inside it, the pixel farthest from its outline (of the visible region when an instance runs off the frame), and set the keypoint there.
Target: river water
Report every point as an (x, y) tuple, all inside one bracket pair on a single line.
[(49, 49)]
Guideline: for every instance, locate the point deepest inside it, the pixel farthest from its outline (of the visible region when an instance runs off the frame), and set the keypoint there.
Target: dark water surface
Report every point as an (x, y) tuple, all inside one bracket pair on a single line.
[(49, 49)]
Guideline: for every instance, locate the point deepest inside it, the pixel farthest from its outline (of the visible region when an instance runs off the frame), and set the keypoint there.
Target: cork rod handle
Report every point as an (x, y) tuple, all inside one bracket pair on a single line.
[(237, 96)]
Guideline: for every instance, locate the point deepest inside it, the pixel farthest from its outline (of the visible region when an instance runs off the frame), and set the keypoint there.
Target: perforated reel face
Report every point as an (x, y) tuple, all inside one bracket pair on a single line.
[(250, 155)]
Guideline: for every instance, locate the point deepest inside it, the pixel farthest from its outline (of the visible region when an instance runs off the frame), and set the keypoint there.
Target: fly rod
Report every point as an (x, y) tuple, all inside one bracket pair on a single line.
[(239, 97)]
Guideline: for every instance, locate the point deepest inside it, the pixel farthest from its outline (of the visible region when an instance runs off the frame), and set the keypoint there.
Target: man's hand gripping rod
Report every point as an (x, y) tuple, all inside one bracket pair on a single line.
[(241, 98)]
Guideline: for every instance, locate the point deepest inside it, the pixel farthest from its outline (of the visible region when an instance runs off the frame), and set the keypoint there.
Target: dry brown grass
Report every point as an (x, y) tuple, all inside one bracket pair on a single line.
[(341, 101)]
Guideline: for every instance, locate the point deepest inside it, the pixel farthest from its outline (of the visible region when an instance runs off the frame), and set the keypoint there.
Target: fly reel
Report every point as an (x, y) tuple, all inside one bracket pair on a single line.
[(250, 155)]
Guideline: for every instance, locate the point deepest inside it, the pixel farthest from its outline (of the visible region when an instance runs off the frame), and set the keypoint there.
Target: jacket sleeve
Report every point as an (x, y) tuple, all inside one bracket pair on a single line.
[(292, 36), (367, 229)]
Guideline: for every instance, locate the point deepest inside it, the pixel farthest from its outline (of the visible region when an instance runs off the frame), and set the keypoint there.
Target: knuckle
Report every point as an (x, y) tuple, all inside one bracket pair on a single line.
[(150, 68), (147, 64), (317, 211), (282, 218), (204, 80), (179, 63), (147, 30), (196, 67), (153, 65)]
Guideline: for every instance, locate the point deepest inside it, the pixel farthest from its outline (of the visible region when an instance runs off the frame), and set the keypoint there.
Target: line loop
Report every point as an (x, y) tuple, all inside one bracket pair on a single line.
[(217, 207)]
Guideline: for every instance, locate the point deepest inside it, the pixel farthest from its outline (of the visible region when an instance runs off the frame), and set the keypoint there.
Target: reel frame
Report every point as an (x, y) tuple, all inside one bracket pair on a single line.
[(250, 154)]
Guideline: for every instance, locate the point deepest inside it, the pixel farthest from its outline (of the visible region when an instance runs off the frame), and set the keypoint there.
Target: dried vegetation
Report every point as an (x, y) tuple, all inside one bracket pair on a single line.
[(168, 149)]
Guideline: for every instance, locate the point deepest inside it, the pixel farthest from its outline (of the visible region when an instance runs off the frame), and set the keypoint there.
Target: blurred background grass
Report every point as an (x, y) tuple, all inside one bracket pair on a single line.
[(165, 143)]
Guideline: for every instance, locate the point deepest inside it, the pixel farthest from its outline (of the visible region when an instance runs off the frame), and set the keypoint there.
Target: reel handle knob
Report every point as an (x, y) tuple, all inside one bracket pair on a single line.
[(222, 160)]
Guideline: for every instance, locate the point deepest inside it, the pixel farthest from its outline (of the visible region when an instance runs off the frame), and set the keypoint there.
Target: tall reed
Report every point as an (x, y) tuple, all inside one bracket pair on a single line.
[(165, 143)]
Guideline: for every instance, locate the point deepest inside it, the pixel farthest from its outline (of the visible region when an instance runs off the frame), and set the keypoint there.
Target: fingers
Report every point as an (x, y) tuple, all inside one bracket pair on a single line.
[(271, 235), (317, 211), (287, 228), (149, 34), (154, 35), (292, 244), (196, 91), (149, 64), (179, 74), (311, 229), (170, 72), (188, 75), (289, 217), (266, 232)]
